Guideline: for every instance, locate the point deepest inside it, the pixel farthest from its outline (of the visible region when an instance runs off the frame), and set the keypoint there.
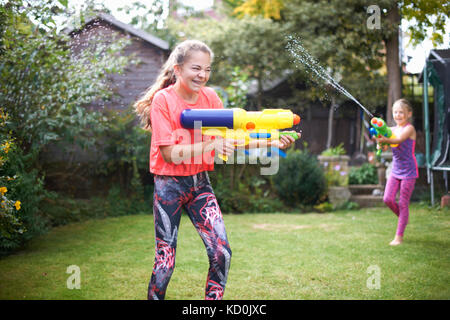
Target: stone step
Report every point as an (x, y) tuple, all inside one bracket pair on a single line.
[(364, 189), (365, 201)]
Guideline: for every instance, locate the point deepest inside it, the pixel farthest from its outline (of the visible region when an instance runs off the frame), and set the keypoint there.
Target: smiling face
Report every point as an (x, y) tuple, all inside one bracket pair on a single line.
[(401, 114), (194, 73)]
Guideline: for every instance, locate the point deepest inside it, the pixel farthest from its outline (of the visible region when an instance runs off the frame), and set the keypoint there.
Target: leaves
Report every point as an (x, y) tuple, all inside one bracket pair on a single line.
[(426, 14), (44, 87), (63, 2), (269, 9)]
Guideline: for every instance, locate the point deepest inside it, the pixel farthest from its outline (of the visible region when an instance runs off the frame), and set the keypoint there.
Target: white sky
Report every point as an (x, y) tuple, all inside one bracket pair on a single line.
[(415, 65), (421, 52), (114, 4)]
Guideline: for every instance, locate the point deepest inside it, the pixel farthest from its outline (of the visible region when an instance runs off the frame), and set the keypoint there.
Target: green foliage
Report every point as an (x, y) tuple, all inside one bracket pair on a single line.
[(254, 44), (250, 192), (426, 14), (237, 89), (269, 9), (335, 34), (324, 207), (10, 222), (126, 149), (21, 192), (336, 151), (335, 168), (300, 179), (43, 90), (61, 210), (336, 172), (27, 187), (366, 174)]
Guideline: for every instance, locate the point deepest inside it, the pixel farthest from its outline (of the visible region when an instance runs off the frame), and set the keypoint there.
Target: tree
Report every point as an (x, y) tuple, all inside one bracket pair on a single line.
[(269, 9), (256, 45), (342, 23), (335, 34), (427, 14), (43, 91), (44, 88)]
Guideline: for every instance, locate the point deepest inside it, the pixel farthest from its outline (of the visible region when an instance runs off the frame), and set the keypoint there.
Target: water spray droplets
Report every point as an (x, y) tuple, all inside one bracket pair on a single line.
[(303, 59)]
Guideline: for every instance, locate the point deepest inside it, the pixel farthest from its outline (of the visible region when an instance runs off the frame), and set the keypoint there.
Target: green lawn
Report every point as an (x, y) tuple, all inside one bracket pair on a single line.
[(275, 256)]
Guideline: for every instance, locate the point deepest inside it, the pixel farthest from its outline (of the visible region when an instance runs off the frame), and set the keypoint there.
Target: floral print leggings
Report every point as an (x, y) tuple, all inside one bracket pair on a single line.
[(195, 195)]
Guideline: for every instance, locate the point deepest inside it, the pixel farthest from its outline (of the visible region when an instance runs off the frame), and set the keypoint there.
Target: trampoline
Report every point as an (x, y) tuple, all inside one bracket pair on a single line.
[(436, 73)]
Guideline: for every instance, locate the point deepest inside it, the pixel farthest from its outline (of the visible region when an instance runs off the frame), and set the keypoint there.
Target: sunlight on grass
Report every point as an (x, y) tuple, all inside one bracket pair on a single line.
[(275, 256)]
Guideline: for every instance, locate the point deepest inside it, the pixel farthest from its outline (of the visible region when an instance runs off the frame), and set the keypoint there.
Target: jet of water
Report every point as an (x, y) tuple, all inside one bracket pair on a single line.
[(303, 57)]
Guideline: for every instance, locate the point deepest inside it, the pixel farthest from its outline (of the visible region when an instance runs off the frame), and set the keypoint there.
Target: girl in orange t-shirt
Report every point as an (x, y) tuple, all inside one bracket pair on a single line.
[(179, 160)]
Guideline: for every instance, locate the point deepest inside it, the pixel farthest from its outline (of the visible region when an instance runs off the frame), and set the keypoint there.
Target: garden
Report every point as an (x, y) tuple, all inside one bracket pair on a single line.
[(77, 194)]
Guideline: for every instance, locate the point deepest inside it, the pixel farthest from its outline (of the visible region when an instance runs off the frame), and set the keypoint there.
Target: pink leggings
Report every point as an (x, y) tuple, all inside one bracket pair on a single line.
[(401, 209)]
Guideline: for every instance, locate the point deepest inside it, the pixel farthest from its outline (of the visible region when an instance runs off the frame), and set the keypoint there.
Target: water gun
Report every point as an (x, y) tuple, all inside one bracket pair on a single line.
[(379, 128), (239, 124)]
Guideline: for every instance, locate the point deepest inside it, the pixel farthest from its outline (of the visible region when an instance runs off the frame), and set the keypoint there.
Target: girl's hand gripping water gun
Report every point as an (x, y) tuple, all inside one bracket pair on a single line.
[(379, 128)]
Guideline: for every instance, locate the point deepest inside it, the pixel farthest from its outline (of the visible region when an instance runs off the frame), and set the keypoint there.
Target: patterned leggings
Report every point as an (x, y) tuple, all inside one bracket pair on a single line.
[(401, 209), (195, 194)]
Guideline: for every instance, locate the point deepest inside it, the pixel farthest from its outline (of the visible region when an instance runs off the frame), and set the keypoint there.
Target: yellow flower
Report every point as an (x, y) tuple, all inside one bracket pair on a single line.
[(17, 204), (3, 190), (6, 146)]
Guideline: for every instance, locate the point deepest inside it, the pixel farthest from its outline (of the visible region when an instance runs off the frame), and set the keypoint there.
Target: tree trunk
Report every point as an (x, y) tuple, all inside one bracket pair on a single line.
[(393, 62), (259, 94)]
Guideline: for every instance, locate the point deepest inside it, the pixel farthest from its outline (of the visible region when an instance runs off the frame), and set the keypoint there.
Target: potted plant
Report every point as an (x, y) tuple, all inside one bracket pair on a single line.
[(334, 162)]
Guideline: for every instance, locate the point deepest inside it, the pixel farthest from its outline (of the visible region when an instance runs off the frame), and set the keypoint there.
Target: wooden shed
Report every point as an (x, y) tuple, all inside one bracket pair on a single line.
[(151, 52), (68, 165)]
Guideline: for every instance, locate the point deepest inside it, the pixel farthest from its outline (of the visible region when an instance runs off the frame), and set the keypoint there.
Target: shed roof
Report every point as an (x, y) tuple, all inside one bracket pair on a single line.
[(164, 45)]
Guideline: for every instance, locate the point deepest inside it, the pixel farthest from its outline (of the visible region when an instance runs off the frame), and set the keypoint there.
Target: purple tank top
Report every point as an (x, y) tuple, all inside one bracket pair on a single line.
[(404, 164)]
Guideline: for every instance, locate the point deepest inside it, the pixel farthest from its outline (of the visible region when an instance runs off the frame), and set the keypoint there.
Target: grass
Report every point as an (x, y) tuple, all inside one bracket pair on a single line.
[(275, 256)]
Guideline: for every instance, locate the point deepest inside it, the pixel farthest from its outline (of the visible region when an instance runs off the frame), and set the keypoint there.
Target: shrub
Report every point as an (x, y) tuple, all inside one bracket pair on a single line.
[(336, 151), (27, 187), (249, 193), (300, 179), (366, 174)]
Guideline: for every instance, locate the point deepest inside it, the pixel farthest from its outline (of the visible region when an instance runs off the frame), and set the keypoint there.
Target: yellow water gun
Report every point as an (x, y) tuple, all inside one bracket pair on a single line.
[(239, 124)]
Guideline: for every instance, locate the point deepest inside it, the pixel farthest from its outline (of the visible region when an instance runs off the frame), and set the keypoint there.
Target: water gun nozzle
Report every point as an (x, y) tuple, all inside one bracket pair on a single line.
[(296, 119)]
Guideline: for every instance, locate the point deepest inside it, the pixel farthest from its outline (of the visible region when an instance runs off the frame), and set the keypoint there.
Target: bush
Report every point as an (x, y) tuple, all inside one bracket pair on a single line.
[(336, 151), (366, 174), (300, 179), (59, 209), (249, 193), (27, 187)]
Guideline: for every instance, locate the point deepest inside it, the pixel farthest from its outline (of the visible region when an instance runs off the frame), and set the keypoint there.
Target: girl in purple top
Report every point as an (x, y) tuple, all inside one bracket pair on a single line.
[(404, 166)]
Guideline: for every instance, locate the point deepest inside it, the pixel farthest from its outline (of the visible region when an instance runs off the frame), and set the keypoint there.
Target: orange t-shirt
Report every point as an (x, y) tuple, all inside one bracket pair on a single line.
[(165, 114)]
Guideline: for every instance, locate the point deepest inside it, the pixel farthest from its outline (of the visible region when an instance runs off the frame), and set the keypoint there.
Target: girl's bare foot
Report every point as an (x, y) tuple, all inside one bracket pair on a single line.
[(397, 240)]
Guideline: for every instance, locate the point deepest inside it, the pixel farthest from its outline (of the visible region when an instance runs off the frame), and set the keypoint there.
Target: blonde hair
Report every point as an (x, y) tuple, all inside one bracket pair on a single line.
[(167, 77), (404, 104)]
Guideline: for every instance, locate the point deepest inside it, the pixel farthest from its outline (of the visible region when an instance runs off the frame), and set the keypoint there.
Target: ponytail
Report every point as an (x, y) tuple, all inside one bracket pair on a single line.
[(166, 77), (142, 106)]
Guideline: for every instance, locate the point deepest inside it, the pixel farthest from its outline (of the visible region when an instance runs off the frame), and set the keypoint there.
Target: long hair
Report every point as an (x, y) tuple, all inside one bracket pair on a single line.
[(167, 77)]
